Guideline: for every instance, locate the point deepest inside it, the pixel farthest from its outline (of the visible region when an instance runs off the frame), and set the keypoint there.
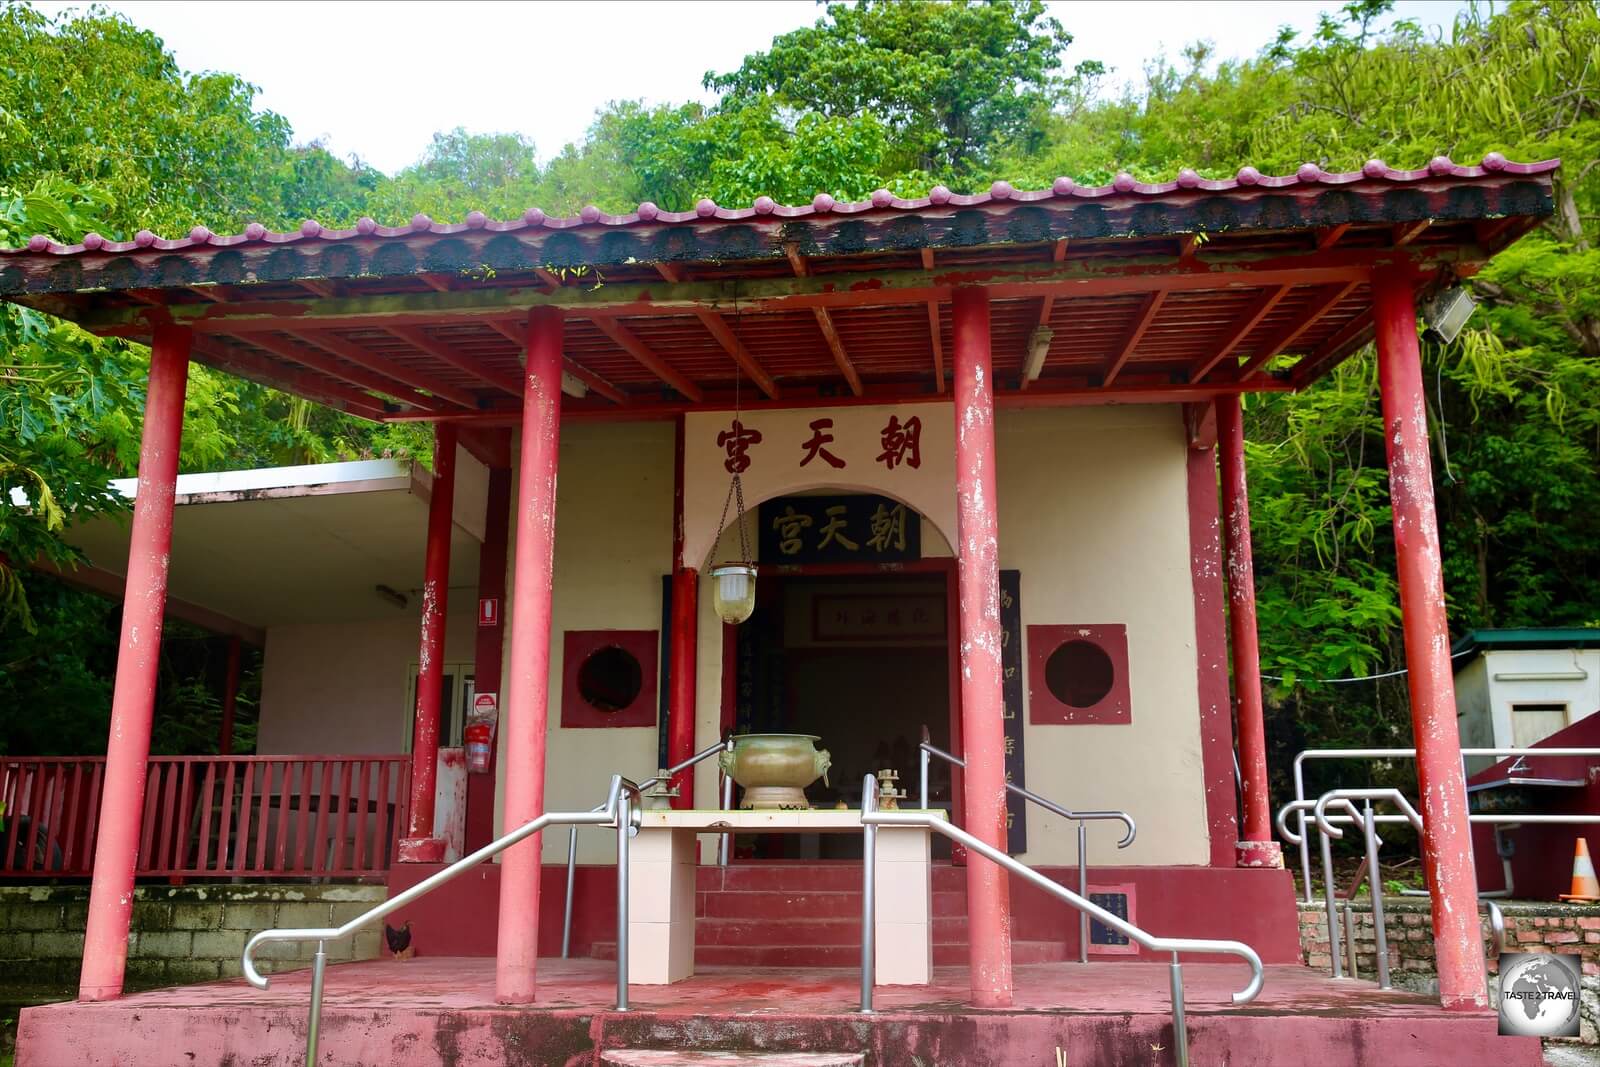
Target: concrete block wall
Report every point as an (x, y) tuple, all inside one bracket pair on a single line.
[(181, 934), (1531, 926)]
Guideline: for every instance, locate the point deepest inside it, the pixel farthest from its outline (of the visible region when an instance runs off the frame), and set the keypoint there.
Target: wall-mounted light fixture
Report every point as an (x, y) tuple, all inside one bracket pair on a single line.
[(1038, 349), (1447, 313)]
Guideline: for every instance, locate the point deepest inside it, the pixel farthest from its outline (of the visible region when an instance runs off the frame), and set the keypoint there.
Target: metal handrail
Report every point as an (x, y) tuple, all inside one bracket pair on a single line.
[(648, 783), (927, 748), (1368, 819), (615, 811), (872, 818), (1392, 753)]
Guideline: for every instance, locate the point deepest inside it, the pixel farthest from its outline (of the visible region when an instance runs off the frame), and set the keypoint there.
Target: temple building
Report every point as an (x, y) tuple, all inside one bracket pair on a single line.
[(985, 454)]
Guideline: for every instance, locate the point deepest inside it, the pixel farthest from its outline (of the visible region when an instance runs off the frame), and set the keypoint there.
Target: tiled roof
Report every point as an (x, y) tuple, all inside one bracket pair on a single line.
[(1187, 181)]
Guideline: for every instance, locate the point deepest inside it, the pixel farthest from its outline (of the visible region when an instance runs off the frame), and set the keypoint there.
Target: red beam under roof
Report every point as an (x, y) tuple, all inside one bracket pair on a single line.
[(355, 374), (1240, 328), (624, 339), (517, 334), (363, 357), (418, 338), (825, 324), (1328, 299)]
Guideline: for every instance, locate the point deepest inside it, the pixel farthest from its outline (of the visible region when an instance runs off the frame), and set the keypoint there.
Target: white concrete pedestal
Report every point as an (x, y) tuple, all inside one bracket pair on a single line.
[(661, 889)]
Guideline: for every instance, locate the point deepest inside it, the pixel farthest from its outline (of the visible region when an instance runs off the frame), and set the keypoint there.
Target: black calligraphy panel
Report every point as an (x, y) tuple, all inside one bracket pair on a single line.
[(844, 528), (1011, 691)]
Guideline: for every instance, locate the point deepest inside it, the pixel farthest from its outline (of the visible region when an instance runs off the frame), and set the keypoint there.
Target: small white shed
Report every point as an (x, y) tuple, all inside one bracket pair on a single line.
[(1514, 688)]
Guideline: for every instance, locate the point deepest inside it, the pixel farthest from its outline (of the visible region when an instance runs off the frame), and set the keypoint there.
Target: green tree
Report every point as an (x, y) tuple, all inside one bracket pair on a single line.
[(952, 81)]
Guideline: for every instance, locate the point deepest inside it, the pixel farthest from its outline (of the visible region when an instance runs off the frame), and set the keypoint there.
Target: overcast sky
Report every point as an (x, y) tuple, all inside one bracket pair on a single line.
[(377, 79)]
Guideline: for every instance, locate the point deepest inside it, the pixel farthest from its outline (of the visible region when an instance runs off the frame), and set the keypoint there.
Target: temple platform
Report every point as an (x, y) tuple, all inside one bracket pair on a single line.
[(441, 1011)]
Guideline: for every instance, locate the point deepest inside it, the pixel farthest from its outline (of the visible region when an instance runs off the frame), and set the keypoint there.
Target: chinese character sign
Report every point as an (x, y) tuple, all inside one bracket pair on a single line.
[(1011, 691), (854, 528), (737, 440), (904, 452)]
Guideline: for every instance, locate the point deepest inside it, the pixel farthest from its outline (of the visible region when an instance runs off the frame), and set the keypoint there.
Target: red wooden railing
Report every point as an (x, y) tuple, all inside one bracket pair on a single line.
[(212, 816)]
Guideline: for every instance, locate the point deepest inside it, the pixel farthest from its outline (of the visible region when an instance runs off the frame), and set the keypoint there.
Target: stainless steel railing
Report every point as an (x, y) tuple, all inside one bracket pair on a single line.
[(617, 810), (1391, 753), (872, 818), (671, 772), (928, 749), (1368, 819)]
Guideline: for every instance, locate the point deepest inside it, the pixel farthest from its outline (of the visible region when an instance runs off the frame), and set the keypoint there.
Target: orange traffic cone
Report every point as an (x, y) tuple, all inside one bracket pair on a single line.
[(1585, 886)]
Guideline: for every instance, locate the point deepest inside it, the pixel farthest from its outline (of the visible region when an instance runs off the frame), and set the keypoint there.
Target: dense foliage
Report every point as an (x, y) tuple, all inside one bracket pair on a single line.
[(894, 94)]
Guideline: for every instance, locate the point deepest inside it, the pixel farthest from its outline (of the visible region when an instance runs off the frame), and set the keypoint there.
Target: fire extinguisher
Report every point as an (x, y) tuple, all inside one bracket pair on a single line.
[(479, 738)]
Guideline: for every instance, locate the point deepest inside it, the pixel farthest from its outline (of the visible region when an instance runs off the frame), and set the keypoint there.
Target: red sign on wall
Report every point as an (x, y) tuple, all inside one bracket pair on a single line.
[(489, 611)]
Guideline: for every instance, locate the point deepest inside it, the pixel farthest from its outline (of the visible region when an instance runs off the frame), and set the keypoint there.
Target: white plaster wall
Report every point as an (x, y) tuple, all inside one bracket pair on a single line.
[(613, 544), (342, 687), (1541, 676), (1472, 712), (1094, 513)]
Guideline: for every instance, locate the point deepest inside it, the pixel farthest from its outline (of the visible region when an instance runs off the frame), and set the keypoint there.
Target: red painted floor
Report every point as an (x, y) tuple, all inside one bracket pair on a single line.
[(442, 1011)]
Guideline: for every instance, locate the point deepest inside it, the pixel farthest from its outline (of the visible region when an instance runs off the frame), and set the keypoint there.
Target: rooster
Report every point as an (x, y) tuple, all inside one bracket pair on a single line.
[(399, 941)]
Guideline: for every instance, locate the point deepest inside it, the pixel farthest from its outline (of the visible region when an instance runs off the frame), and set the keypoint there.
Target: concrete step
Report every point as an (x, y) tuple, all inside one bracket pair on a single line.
[(822, 876), (836, 955), (649, 1057), (780, 905), (947, 930)]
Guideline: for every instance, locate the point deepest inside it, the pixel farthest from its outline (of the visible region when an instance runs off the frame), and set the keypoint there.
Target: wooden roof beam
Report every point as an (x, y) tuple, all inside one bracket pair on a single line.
[(317, 360), (419, 339), (354, 353), (1320, 306), (1141, 322), (1406, 232), (1047, 303), (319, 286), (825, 323), (718, 329), (935, 335), (1328, 236), (629, 342), (1330, 351), (517, 334), (214, 352), (1239, 329)]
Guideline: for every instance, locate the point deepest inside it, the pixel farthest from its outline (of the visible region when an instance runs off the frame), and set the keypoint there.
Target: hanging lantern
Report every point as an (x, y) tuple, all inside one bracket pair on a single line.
[(733, 584), (733, 592)]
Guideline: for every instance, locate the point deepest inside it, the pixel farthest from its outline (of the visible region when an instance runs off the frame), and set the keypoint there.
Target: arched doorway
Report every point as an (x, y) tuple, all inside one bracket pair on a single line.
[(855, 650)]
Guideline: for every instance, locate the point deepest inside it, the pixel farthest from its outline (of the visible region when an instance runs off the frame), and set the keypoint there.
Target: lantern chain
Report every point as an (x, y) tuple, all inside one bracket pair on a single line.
[(736, 486)]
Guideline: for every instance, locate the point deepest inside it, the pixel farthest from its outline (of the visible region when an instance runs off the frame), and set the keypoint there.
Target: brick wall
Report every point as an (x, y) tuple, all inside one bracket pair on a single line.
[(181, 934), (1531, 926)]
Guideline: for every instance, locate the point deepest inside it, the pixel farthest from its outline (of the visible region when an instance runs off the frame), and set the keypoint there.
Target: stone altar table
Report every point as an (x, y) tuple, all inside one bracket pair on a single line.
[(661, 889)]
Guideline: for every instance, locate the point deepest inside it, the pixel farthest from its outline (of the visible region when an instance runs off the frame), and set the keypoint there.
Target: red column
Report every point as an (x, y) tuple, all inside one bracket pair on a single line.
[(527, 700), (420, 845), (230, 698), (685, 640), (489, 651), (105, 946), (1257, 849), (1447, 837), (982, 702), (681, 701)]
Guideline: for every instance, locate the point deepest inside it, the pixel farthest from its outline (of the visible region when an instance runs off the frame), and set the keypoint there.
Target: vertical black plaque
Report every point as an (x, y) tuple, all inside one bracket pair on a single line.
[(1011, 691)]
